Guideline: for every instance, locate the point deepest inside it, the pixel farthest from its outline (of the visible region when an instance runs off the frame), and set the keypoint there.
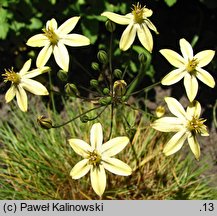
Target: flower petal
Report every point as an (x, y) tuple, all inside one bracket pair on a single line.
[(21, 98), (175, 108), (44, 55), (61, 56), (96, 136), (173, 58), (193, 110), (205, 77), (36, 72), (127, 37), (25, 67), (168, 124), (175, 143), (38, 40), (68, 25), (145, 36), (51, 24), (151, 25), (204, 57), (75, 40), (174, 76), (34, 87), (10, 94), (98, 179), (116, 166), (191, 86), (194, 145), (120, 19), (114, 146), (186, 49), (147, 12), (80, 147), (80, 169)]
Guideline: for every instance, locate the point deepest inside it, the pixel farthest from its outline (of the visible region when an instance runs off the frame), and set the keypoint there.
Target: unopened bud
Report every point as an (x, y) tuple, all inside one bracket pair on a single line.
[(105, 100), (71, 89), (62, 75), (44, 122), (102, 57), (119, 88), (95, 66), (160, 111), (94, 83), (118, 73), (84, 118), (142, 57), (106, 91), (110, 26)]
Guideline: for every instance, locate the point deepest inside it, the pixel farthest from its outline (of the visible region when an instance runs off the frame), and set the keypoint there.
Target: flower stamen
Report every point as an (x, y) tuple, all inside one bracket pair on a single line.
[(192, 65), (51, 35), (196, 125), (137, 12), (11, 76), (94, 158)]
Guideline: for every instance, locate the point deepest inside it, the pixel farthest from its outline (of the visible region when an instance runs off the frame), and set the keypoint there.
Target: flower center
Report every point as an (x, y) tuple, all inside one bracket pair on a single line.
[(196, 125), (137, 12), (51, 35), (192, 65), (94, 158), (11, 76)]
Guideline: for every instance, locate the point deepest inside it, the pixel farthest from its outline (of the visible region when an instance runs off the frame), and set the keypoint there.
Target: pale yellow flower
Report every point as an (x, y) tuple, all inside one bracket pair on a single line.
[(189, 66), (98, 157), (138, 23), (22, 81), (54, 40), (187, 125)]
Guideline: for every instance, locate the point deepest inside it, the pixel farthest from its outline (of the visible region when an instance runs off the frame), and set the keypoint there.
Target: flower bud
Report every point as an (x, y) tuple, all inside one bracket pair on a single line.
[(142, 57), (105, 100), (84, 119), (110, 26), (119, 88), (95, 66), (160, 111), (102, 57), (71, 89), (44, 122), (62, 75), (118, 73), (106, 91), (94, 83)]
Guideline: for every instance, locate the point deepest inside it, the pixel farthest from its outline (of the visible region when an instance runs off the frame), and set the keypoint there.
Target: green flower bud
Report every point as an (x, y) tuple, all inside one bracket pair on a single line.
[(142, 57), (124, 98), (105, 100), (102, 57), (84, 118), (119, 88), (62, 75), (118, 73), (95, 66), (94, 83), (71, 89), (44, 122), (106, 91), (110, 26)]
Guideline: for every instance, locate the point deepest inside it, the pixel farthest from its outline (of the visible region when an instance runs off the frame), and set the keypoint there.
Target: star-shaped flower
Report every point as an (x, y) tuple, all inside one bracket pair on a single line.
[(189, 66), (98, 157), (187, 125), (54, 40), (138, 23), (22, 81)]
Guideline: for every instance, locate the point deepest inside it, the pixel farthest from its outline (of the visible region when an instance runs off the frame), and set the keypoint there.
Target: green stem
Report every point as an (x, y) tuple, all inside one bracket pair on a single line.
[(65, 123), (51, 93), (214, 114)]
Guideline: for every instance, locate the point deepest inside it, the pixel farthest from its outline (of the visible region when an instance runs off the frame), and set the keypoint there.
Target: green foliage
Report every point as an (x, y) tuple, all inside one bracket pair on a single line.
[(170, 3)]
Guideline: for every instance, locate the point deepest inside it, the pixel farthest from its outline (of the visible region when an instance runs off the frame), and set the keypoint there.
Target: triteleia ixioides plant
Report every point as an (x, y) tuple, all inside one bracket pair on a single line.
[(138, 23), (21, 81), (98, 157), (187, 125), (189, 67), (54, 40)]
